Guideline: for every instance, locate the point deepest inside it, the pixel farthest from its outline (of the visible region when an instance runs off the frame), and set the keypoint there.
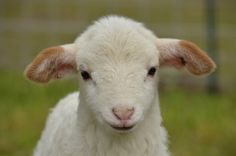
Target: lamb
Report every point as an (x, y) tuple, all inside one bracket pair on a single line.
[(116, 113)]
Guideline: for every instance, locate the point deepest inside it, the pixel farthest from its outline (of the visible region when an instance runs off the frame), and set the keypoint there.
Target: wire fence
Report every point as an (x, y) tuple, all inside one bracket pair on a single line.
[(27, 26)]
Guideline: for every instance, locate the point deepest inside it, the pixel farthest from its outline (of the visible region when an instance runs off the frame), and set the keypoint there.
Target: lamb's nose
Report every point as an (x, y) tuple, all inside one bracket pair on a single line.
[(123, 113)]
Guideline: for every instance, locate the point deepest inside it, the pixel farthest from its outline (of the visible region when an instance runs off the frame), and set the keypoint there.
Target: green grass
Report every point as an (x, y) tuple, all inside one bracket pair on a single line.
[(23, 110), (198, 124)]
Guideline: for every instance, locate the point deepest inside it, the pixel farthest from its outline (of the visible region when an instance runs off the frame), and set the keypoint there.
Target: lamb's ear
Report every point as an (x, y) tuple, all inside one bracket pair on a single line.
[(181, 53), (52, 63)]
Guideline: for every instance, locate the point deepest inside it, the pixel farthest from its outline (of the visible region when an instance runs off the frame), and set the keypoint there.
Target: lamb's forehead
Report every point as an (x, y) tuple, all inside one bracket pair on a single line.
[(119, 40)]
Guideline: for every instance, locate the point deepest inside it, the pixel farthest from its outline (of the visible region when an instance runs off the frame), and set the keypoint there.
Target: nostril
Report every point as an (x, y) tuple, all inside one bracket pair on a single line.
[(123, 113), (115, 112), (130, 112)]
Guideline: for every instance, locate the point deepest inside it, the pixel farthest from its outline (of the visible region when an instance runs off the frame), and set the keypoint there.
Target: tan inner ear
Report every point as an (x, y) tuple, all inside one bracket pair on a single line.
[(49, 64), (188, 55), (196, 60)]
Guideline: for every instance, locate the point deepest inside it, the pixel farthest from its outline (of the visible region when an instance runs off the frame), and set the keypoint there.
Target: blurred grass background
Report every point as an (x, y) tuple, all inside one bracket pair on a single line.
[(198, 123)]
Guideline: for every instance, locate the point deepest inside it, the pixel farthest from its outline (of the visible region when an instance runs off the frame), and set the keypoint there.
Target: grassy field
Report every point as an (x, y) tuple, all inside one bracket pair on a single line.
[(198, 124)]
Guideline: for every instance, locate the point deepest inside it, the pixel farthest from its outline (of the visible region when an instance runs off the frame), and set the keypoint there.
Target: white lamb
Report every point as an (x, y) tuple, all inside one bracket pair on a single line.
[(117, 111)]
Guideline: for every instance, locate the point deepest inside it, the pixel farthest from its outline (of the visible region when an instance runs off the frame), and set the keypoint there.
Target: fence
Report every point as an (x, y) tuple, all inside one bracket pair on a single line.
[(27, 26)]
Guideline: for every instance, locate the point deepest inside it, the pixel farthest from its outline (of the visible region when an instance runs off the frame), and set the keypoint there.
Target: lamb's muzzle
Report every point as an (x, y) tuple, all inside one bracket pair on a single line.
[(124, 116)]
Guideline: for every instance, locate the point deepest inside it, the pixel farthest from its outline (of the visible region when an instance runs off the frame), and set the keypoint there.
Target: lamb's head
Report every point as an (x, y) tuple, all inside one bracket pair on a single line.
[(117, 61)]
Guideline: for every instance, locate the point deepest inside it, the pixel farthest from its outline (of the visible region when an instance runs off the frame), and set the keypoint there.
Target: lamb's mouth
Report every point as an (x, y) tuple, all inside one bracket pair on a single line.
[(123, 128)]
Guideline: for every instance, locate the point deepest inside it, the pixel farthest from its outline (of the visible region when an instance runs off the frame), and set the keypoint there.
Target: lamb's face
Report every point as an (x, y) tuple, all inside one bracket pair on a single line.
[(118, 79), (116, 60)]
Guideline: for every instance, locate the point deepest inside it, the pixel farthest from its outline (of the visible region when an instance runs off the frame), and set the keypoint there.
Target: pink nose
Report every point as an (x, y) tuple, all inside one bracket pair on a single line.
[(123, 113)]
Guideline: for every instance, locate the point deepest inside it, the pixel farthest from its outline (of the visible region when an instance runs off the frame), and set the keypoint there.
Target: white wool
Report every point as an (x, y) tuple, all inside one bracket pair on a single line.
[(117, 111), (118, 52), (70, 133)]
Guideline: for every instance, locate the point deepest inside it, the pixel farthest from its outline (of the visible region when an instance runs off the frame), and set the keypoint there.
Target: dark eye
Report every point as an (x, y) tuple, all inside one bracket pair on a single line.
[(85, 75), (152, 71)]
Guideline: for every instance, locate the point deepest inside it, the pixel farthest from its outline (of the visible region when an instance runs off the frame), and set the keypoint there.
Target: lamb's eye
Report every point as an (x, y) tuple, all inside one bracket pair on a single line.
[(85, 75), (152, 71)]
